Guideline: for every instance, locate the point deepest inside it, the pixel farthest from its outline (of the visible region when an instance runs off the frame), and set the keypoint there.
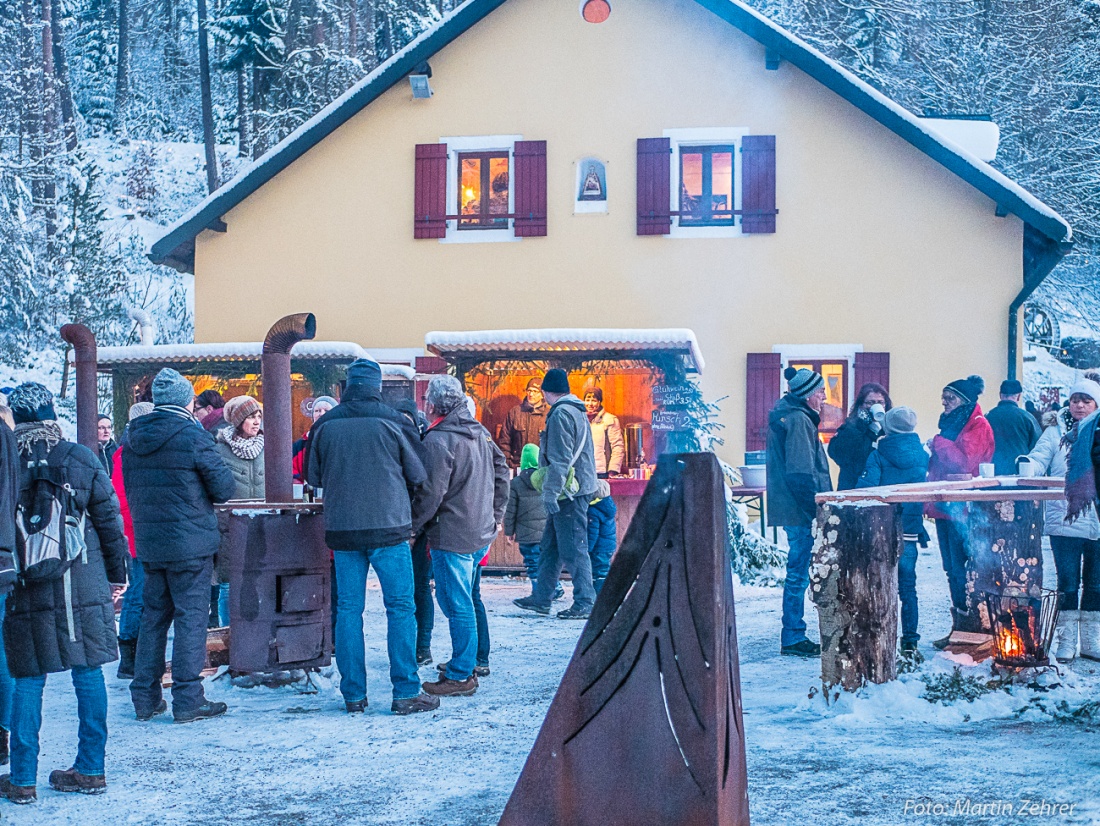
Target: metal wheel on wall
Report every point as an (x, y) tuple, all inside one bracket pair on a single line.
[(1041, 327)]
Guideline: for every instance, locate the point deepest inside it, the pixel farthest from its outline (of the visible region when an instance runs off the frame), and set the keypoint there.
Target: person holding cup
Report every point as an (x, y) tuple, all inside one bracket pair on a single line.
[(1075, 545), (856, 438)]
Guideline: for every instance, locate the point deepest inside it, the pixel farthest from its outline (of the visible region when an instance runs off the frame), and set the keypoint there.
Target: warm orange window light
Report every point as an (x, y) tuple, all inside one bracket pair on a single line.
[(483, 183)]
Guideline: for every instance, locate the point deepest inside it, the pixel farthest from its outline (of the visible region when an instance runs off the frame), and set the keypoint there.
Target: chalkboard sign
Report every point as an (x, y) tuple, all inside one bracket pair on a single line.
[(671, 420), (673, 395)]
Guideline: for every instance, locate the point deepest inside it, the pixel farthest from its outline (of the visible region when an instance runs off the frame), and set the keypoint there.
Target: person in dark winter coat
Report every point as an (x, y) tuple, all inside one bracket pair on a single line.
[(1015, 431), (361, 452), (421, 560), (461, 506), (525, 515), (566, 452), (900, 459), (855, 439), (797, 471), (173, 476), (965, 441), (105, 435), (65, 623), (602, 535), (9, 497), (524, 423)]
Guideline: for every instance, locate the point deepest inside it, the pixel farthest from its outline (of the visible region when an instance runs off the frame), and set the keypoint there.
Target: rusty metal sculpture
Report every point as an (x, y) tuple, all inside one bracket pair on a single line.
[(646, 726), (84, 348)]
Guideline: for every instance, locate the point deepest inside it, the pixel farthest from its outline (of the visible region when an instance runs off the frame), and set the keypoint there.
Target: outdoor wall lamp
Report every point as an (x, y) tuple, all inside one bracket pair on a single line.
[(418, 80)]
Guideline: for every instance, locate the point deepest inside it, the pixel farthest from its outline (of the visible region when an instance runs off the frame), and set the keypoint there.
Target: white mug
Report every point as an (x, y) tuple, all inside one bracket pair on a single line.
[(299, 491), (987, 470), (1026, 467)]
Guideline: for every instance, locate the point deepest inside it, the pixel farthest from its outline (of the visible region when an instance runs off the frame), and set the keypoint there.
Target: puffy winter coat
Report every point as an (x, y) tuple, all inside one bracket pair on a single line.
[(524, 515), (900, 459), (607, 440), (174, 476), (1015, 433), (961, 456), (464, 498), (601, 527), (248, 474), (797, 466), (9, 497), (37, 636), (850, 447), (1051, 456), (567, 430), (521, 427)]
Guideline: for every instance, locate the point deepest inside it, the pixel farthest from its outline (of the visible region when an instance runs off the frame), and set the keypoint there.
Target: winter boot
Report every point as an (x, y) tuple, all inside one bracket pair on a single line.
[(1065, 636), (204, 712), (70, 780), (424, 656), (452, 688), (146, 716), (414, 705), (529, 604), (127, 649), (16, 794), (1090, 635), (575, 612), (479, 670), (958, 621)]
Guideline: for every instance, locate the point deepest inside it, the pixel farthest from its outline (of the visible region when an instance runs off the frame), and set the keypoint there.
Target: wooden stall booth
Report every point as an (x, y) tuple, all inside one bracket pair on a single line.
[(644, 375), (233, 369)]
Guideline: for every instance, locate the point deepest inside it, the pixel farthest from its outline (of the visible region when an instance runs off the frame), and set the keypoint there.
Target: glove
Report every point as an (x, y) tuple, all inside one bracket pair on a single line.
[(551, 505)]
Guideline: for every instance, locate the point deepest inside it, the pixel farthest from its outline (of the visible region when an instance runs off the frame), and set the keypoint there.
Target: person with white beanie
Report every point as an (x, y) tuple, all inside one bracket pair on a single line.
[(1075, 544)]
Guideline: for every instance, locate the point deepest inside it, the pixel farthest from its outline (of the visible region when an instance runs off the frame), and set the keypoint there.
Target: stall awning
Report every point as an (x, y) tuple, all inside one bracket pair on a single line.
[(544, 344)]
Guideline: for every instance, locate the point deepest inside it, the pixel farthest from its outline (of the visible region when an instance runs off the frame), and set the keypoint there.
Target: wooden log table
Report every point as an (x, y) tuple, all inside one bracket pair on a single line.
[(858, 540)]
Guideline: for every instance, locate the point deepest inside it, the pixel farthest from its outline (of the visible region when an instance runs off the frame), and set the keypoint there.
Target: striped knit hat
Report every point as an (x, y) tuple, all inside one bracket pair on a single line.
[(802, 382)]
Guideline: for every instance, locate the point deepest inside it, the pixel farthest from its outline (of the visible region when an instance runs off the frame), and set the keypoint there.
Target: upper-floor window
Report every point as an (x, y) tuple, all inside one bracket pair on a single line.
[(483, 190), (706, 185)]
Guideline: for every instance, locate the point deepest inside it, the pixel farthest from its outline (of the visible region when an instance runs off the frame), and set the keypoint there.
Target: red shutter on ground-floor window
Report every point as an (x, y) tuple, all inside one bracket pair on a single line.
[(654, 215), (430, 191), (761, 393), (758, 183), (872, 367), (530, 178)]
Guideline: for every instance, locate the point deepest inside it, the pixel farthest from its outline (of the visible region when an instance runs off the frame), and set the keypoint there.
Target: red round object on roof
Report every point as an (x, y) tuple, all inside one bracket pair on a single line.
[(596, 11)]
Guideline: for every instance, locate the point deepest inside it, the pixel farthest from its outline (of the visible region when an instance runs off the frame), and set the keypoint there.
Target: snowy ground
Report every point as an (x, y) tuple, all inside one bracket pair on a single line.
[(280, 757)]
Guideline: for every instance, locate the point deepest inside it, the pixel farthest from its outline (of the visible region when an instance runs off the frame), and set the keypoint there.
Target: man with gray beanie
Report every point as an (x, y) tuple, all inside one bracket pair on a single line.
[(569, 484), (798, 470), (362, 453), (173, 476)]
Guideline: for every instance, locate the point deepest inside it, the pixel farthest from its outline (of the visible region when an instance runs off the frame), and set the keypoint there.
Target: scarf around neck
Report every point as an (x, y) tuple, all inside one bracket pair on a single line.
[(241, 447), (28, 433), (1080, 474), (952, 424)]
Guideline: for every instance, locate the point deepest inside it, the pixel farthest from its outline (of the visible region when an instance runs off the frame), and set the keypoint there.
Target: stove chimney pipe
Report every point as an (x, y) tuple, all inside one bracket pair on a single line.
[(278, 437), (146, 327), (84, 347)]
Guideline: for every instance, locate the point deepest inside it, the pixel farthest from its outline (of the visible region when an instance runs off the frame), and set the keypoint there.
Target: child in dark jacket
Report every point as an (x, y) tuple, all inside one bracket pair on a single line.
[(601, 532), (525, 515), (900, 458)]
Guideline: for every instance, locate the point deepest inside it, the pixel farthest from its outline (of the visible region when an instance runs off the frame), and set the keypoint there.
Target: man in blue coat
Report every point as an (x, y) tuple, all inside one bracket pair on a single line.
[(174, 476)]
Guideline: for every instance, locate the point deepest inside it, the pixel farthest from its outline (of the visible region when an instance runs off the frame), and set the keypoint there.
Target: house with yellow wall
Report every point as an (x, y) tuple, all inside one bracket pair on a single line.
[(675, 164)]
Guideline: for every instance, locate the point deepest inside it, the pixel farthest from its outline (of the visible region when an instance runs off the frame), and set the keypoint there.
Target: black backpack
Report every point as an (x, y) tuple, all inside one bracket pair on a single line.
[(49, 525)]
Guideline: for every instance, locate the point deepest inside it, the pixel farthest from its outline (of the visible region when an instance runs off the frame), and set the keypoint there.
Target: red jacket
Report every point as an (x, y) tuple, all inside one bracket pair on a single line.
[(123, 505), (972, 447)]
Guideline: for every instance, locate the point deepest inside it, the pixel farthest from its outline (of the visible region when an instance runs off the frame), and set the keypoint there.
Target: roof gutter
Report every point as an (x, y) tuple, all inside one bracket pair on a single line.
[(1041, 256)]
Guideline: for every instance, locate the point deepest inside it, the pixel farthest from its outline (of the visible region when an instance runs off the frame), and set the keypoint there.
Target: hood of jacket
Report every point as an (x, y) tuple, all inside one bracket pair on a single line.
[(903, 450), (148, 434), (461, 423), (787, 406), (526, 475)]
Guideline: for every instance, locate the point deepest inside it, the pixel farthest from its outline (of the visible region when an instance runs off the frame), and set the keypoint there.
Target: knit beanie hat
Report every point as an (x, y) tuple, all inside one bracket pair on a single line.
[(534, 382), (1011, 387), (529, 456), (31, 402), (239, 408), (555, 381), (967, 389), (331, 402), (900, 420), (169, 387), (366, 373), (140, 409), (1086, 387), (802, 382)]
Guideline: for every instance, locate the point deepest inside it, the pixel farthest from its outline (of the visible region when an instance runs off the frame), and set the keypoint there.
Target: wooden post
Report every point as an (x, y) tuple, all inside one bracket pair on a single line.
[(1006, 553), (854, 583)]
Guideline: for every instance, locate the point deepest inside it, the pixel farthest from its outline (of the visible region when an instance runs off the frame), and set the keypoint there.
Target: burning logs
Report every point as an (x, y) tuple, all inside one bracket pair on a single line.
[(854, 583)]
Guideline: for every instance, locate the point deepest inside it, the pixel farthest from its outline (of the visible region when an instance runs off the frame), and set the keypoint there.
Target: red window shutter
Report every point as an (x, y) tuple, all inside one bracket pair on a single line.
[(761, 394), (430, 191), (758, 183), (530, 178), (872, 367), (654, 216)]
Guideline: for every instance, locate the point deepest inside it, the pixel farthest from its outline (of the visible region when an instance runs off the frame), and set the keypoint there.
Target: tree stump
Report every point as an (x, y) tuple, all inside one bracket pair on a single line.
[(1005, 554), (854, 583)]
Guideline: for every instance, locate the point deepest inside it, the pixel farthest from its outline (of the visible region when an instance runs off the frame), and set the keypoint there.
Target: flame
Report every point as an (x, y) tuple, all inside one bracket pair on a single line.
[(1009, 643)]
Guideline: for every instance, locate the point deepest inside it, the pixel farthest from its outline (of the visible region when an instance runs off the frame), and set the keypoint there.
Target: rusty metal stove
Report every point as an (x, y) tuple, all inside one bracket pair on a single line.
[(1022, 628)]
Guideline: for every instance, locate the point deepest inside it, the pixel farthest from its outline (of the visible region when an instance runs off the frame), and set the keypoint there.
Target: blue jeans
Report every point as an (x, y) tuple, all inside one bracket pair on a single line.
[(907, 592), (129, 619), (393, 565), (482, 620), (7, 684), (801, 543), (223, 604), (26, 720), (530, 552), (454, 586)]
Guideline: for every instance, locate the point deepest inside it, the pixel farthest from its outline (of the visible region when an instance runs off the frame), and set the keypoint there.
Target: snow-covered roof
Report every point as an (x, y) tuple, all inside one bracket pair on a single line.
[(567, 340), (176, 247)]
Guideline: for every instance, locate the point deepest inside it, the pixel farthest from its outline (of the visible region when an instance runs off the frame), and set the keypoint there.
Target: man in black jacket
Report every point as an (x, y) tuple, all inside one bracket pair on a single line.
[(360, 454), (1015, 431), (173, 476)]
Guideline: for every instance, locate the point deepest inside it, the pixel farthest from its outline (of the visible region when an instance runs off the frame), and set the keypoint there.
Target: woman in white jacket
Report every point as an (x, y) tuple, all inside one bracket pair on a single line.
[(1074, 545)]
